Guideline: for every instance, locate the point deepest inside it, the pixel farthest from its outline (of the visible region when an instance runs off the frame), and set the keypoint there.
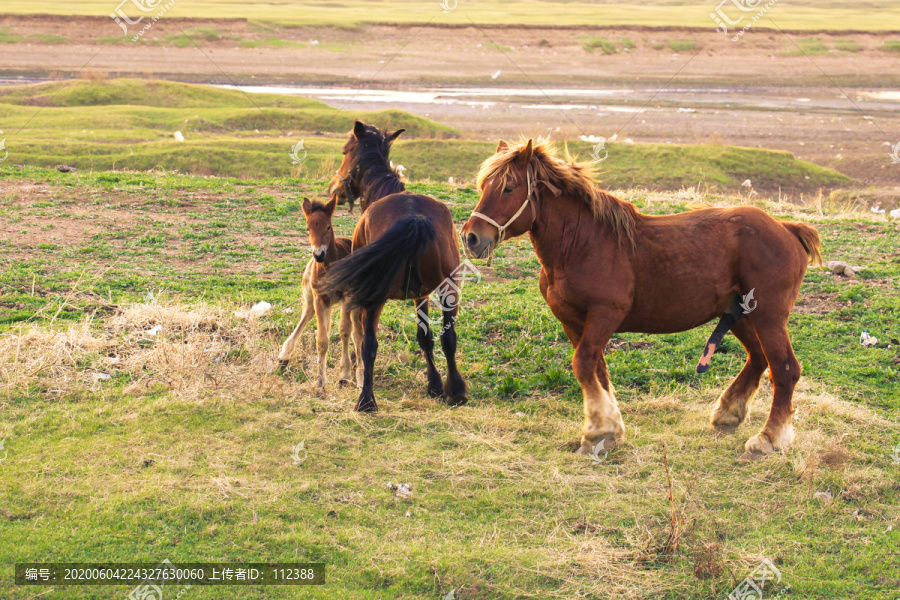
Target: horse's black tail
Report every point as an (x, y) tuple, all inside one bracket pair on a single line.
[(367, 276)]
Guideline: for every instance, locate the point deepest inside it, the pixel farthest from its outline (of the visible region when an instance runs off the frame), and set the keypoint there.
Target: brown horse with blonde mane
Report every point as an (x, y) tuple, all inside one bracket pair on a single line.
[(404, 247), (607, 268)]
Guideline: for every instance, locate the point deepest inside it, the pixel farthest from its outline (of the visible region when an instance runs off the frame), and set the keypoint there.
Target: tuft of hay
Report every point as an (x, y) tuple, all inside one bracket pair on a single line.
[(190, 350)]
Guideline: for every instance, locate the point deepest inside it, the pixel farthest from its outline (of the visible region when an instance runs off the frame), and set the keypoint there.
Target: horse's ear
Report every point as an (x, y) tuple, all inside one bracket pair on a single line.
[(332, 204), (526, 153), (502, 146), (393, 136), (359, 129), (307, 206)]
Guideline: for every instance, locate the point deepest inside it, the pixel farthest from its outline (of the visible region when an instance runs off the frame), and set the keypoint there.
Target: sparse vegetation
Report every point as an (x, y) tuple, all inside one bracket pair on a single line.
[(184, 451), (891, 46), (605, 46), (809, 46)]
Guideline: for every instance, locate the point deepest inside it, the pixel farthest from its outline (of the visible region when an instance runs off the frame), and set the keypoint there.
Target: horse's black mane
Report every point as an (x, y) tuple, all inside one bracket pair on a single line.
[(378, 178)]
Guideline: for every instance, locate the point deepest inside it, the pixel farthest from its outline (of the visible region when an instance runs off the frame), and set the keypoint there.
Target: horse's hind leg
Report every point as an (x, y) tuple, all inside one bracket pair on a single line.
[(369, 316), (426, 342), (734, 403), (784, 372), (455, 387), (356, 325), (308, 311)]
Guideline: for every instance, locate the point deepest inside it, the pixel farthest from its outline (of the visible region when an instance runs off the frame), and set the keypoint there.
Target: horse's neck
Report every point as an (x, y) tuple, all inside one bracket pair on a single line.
[(380, 182), (564, 225)]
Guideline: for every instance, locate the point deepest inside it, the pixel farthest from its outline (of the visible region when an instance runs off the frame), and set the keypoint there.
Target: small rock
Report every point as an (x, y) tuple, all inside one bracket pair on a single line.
[(179, 137), (867, 340), (404, 491), (65, 169), (747, 184), (837, 266), (823, 496)]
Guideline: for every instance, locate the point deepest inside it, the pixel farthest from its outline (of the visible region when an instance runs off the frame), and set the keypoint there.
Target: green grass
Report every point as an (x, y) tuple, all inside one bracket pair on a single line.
[(604, 45), (190, 459), (128, 124), (7, 37), (809, 46), (891, 46), (678, 45), (880, 15), (847, 46)]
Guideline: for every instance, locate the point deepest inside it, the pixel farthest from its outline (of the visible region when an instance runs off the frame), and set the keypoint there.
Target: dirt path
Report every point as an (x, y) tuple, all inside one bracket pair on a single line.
[(808, 93)]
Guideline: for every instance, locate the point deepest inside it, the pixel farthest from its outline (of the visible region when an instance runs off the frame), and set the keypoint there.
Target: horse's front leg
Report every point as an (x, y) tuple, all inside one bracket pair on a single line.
[(323, 321), (602, 419)]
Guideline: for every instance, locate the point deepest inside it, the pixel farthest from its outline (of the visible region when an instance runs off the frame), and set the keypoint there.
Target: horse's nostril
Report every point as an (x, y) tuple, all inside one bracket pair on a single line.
[(472, 240)]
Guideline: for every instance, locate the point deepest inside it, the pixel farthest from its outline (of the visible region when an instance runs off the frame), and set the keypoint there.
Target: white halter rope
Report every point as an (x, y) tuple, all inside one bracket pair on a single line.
[(502, 228), (532, 188)]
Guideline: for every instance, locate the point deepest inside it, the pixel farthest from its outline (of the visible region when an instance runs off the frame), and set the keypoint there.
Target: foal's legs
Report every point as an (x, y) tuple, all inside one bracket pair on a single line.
[(356, 324), (602, 419), (323, 333), (345, 328), (784, 372), (455, 387), (734, 403), (369, 316), (308, 311), (426, 342)]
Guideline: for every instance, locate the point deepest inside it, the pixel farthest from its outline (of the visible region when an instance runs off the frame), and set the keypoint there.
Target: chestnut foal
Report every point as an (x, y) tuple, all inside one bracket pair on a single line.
[(327, 250), (607, 268)]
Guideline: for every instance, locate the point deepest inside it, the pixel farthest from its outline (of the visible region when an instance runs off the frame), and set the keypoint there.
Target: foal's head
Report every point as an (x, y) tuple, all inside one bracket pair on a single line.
[(318, 222), (366, 148), (507, 208)]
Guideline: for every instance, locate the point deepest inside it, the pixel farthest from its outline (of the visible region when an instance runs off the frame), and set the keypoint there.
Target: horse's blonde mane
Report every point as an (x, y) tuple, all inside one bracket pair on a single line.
[(575, 179)]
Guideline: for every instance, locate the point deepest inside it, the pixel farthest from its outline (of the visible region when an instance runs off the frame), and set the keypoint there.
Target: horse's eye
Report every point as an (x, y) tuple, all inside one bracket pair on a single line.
[(508, 190)]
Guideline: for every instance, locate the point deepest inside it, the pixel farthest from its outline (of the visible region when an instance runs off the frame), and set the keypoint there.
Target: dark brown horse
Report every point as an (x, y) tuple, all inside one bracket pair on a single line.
[(607, 268), (404, 248)]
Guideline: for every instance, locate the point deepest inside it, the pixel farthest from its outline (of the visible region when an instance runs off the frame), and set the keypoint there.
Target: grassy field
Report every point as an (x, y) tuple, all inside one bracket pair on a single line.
[(184, 451), (129, 124), (876, 15)]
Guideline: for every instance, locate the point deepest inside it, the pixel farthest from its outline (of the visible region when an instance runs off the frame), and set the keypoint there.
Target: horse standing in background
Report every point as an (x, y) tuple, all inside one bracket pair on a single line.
[(606, 268), (404, 248), (327, 250)]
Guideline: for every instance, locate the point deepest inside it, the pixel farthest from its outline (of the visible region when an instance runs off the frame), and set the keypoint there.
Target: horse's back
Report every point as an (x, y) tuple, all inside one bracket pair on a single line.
[(441, 258)]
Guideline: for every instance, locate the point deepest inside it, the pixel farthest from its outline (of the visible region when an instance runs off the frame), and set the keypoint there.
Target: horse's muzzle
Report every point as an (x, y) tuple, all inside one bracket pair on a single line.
[(475, 246)]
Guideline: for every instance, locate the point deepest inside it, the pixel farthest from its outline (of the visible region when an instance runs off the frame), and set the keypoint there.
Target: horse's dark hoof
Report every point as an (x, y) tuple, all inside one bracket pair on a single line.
[(435, 392), (366, 404), (454, 400)]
